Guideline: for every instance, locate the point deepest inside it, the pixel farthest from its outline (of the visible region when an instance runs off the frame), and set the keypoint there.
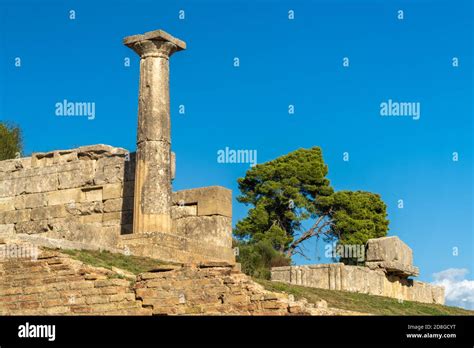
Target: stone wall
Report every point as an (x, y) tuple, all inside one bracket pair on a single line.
[(86, 195), (55, 284), (82, 194), (338, 276), (389, 263)]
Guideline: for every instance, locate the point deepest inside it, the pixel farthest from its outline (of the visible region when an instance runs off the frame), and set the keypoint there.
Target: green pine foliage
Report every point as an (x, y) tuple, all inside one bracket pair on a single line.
[(10, 141), (291, 191)]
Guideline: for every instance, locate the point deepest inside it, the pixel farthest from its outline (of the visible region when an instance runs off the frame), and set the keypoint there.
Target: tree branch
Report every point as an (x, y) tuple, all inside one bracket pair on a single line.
[(315, 230)]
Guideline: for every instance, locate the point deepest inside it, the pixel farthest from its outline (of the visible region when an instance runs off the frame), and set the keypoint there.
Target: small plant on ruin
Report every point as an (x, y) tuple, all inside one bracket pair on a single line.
[(258, 258), (10, 141)]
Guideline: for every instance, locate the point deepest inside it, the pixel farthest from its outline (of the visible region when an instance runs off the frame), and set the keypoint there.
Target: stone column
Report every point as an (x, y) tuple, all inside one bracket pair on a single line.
[(152, 200)]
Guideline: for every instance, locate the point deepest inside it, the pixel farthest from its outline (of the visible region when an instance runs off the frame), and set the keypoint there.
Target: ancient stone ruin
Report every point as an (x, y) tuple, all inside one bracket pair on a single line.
[(105, 197), (388, 266)]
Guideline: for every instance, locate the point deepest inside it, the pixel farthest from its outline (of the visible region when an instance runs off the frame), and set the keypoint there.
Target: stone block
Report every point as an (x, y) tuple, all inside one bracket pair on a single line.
[(212, 200), (28, 201), (111, 191), (7, 204), (92, 194), (14, 164), (92, 233), (64, 196), (212, 230), (7, 229), (389, 249), (66, 156), (85, 208), (110, 170), (41, 183), (390, 254), (50, 212), (87, 219), (32, 227), (394, 267), (12, 187), (437, 294), (42, 159), (114, 205), (179, 211), (14, 216), (81, 174)]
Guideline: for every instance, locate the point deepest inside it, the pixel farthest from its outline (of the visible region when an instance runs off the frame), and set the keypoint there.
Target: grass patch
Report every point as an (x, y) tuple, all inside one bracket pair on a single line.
[(370, 304), (106, 259)]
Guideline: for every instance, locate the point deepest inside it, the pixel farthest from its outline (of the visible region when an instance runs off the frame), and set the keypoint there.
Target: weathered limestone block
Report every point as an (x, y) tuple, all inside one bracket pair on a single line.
[(91, 233), (7, 204), (33, 200), (92, 194), (32, 227), (64, 196), (7, 229), (392, 255), (100, 151), (437, 294), (212, 200), (76, 174), (85, 208), (66, 156), (394, 267), (41, 183), (12, 187), (178, 212), (389, 249), (170, 247), (14, 216), (50, 212), (117, 204), (215, 229), (318, 276), (12, 165), (92, 218), (335, 276), (42, 159), (281, 274), (110, 170), (112, 191)]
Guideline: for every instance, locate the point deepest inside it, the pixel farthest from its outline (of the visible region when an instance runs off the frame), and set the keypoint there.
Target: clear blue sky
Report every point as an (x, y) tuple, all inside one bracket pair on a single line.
[(282, 62)]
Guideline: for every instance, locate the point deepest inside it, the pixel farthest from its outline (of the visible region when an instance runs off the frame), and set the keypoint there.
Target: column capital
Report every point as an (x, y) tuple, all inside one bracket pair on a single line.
[(157, 43)]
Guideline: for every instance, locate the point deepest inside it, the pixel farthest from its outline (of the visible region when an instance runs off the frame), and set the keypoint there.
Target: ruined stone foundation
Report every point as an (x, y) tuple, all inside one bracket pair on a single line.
[(83, 198), (55, 284)]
